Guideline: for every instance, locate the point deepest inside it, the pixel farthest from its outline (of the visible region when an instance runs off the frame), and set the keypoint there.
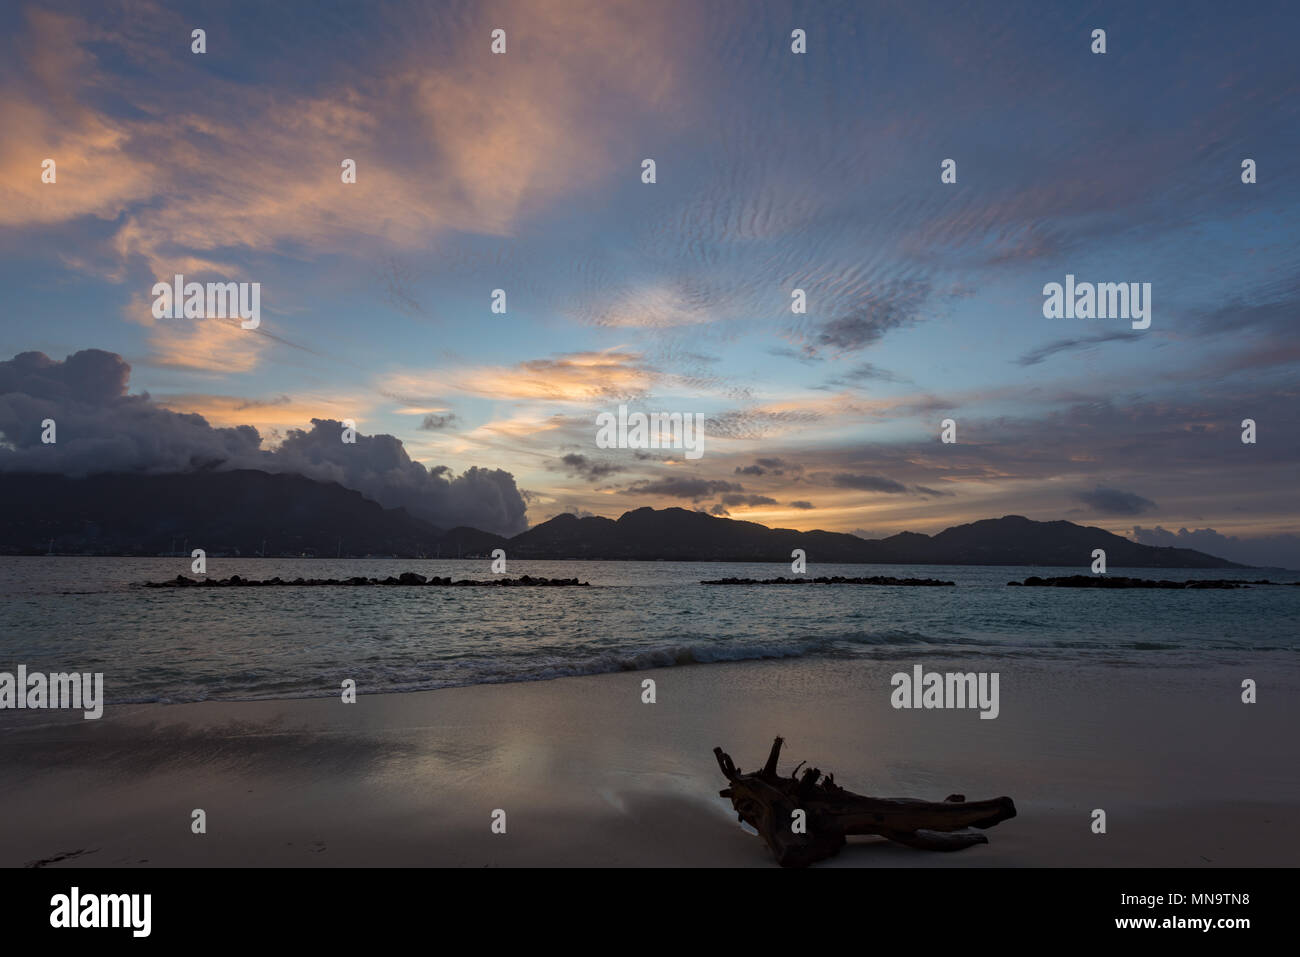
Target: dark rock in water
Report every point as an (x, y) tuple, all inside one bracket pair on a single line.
[(832, 580), (1118, 581), (406, 578)]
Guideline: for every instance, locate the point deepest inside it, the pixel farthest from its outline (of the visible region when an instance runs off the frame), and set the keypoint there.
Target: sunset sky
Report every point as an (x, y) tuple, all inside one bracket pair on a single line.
[(775, 171)]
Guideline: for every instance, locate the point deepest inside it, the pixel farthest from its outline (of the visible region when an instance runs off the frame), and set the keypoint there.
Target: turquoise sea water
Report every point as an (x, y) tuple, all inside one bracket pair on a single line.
[(64, 613)]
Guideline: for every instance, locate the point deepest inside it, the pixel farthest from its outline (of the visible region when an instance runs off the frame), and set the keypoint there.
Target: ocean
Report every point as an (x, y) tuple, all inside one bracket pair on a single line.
[(176, 645)]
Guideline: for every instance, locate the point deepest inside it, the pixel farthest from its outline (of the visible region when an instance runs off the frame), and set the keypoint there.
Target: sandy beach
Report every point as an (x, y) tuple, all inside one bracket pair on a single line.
[(588, 775)]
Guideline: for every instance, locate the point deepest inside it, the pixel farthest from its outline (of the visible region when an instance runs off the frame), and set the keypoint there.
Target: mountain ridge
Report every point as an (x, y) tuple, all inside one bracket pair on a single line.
[(245, 512)]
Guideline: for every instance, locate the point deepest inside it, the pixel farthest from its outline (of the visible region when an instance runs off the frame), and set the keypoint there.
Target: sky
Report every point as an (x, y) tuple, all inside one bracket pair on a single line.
[(774, 171)]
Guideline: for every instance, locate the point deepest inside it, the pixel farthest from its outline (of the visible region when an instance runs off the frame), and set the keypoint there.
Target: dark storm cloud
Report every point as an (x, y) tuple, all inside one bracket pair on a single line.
[(91, 375), (868, 483), (379, 467), (897, 304), (1280, 551), (735, 498), (1130, 433), (688, 488), (766, 466), (435, 423), (584, 467), (1113, 501), (1035, 356), (101, 428)]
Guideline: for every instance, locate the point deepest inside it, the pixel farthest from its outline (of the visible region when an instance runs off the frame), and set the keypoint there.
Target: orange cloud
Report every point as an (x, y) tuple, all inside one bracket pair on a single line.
[(206, 345), (478, 141), (267, 415), (43, 119), (576, 378)]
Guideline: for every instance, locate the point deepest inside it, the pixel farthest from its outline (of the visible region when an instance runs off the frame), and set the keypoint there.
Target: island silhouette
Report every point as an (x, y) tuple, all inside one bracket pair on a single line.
[(249, 513)]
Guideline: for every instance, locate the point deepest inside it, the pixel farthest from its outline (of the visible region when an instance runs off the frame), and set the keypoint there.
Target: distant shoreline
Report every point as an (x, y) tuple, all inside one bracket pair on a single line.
[(275, 556), (250, 513)]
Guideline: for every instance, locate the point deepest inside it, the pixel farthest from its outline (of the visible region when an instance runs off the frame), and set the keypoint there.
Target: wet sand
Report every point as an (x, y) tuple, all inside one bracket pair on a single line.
[(588, 775)]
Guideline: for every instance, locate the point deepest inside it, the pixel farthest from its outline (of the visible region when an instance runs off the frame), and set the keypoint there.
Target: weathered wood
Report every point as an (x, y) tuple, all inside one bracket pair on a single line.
[(768, 802)]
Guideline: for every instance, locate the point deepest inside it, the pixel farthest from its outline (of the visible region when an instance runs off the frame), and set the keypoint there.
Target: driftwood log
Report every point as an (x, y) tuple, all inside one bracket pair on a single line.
[(768, 802)]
